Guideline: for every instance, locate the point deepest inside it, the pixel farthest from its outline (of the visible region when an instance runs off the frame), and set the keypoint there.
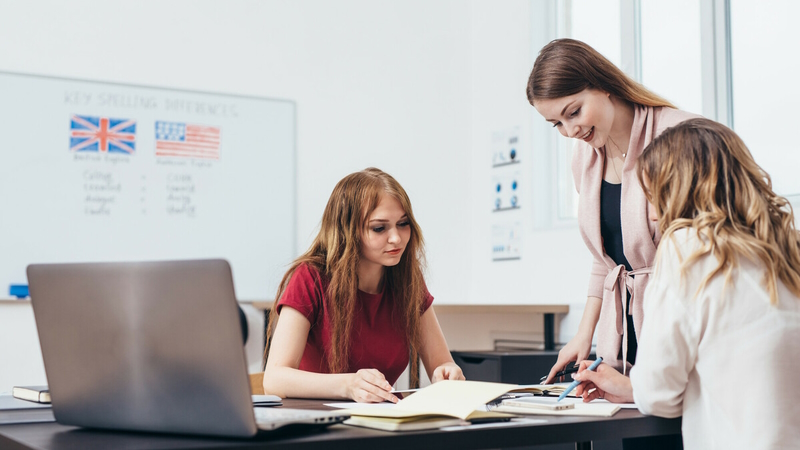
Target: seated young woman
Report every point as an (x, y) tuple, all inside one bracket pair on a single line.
[(353, 308)]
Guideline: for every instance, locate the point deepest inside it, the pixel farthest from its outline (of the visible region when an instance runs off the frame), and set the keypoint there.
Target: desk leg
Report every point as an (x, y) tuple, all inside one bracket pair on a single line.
[(583, 445), (549, 331)]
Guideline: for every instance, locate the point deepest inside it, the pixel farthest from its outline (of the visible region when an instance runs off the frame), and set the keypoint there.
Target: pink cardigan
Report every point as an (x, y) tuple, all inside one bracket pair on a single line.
[(640, 236)]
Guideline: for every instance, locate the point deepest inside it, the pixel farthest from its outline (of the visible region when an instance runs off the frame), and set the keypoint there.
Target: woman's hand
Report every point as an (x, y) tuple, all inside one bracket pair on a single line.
[(447, 371), (369, 386), (576, 350), (604, 382)]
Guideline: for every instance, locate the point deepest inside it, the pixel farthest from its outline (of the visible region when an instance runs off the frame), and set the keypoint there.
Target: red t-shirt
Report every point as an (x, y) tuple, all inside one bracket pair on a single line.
[(377, 341)]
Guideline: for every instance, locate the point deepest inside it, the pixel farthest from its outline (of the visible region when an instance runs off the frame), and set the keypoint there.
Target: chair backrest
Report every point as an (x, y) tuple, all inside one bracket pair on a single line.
[(257, 383)]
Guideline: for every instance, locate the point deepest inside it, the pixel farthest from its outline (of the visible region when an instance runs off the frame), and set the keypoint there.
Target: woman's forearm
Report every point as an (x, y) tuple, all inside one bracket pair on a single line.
[(295, 383), (591, 314)]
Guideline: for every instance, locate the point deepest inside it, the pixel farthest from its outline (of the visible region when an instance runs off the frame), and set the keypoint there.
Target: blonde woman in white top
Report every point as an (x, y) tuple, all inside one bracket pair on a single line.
[(721, 340)]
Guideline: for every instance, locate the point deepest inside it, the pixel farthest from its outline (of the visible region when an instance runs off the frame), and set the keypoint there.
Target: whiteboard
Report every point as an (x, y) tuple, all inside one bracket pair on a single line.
[(93, 171)]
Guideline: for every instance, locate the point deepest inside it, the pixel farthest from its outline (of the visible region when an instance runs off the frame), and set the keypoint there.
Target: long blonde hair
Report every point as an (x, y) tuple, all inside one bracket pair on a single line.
[(566, 66), (702, 176), (335, 254)]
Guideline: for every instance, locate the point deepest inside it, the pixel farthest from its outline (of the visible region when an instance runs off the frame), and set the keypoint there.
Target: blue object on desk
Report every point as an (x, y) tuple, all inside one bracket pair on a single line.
[(575, 383), (18, 290)]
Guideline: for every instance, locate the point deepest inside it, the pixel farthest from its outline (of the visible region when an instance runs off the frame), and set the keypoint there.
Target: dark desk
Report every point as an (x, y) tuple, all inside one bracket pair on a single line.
[(626, 423)]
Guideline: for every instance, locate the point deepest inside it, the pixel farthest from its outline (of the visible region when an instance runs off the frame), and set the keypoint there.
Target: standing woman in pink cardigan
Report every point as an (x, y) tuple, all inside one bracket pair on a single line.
[(588, 98)]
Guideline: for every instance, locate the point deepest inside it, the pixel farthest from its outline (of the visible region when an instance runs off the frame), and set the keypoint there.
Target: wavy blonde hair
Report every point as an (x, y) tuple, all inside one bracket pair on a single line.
[(566, 66), (335, 254), (702, 176)]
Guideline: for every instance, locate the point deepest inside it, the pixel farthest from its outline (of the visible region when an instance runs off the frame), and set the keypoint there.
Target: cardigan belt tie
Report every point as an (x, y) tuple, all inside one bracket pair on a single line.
[(618, 281)]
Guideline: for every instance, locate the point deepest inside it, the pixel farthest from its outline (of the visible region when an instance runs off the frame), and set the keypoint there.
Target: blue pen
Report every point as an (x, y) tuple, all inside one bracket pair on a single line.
[(575, 383)]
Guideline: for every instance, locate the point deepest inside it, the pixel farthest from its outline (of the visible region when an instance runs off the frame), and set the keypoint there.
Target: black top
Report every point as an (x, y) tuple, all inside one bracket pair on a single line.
[(611, 222), (611, 230)]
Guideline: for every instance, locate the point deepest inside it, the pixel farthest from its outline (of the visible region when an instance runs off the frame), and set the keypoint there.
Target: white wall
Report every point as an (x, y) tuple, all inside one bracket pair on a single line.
[(506, 37), (20, 357), (414, 87)]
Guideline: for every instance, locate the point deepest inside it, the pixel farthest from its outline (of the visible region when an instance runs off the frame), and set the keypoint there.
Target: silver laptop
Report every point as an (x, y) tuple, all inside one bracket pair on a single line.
[(150, 346)]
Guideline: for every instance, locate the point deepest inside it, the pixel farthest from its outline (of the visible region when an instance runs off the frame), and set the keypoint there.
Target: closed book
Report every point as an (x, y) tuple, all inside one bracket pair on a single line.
[(38, 394), (403, 423), (267, 400)]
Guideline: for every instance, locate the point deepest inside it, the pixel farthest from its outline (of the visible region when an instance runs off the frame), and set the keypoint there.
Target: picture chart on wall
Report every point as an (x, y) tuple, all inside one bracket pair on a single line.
[(506, 180)]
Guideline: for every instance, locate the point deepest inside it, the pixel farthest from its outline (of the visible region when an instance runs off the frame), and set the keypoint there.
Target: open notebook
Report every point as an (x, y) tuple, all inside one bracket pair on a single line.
[(544, 389), (465, 400), (459, 400)]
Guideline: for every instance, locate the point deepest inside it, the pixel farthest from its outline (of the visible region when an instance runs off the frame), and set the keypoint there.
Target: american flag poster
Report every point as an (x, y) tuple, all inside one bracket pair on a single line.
[(102, 134), (187, 140)]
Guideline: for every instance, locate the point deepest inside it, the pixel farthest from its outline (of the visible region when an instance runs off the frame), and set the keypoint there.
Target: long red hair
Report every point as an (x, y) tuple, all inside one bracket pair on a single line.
[(336, 251)]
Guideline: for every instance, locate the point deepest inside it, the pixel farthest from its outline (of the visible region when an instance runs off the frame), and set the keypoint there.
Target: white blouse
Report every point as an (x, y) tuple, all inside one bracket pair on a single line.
[(726, 359)]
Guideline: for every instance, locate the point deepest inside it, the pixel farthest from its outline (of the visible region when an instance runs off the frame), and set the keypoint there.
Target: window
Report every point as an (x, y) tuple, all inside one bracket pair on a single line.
[(671, 65), (706, 57), (598, 24), (765, 86)]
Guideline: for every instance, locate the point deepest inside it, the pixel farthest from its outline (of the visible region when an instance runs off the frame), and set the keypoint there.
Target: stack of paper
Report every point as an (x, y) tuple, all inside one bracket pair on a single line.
[(578, 407)]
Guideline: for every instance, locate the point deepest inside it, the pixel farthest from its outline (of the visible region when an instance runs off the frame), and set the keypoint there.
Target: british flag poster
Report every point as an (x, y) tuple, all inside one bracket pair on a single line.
[(102, 134), (179, 139)]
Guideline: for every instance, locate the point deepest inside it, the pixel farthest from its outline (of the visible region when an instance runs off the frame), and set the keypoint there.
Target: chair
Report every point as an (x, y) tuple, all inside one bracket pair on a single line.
[(257, 383)]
